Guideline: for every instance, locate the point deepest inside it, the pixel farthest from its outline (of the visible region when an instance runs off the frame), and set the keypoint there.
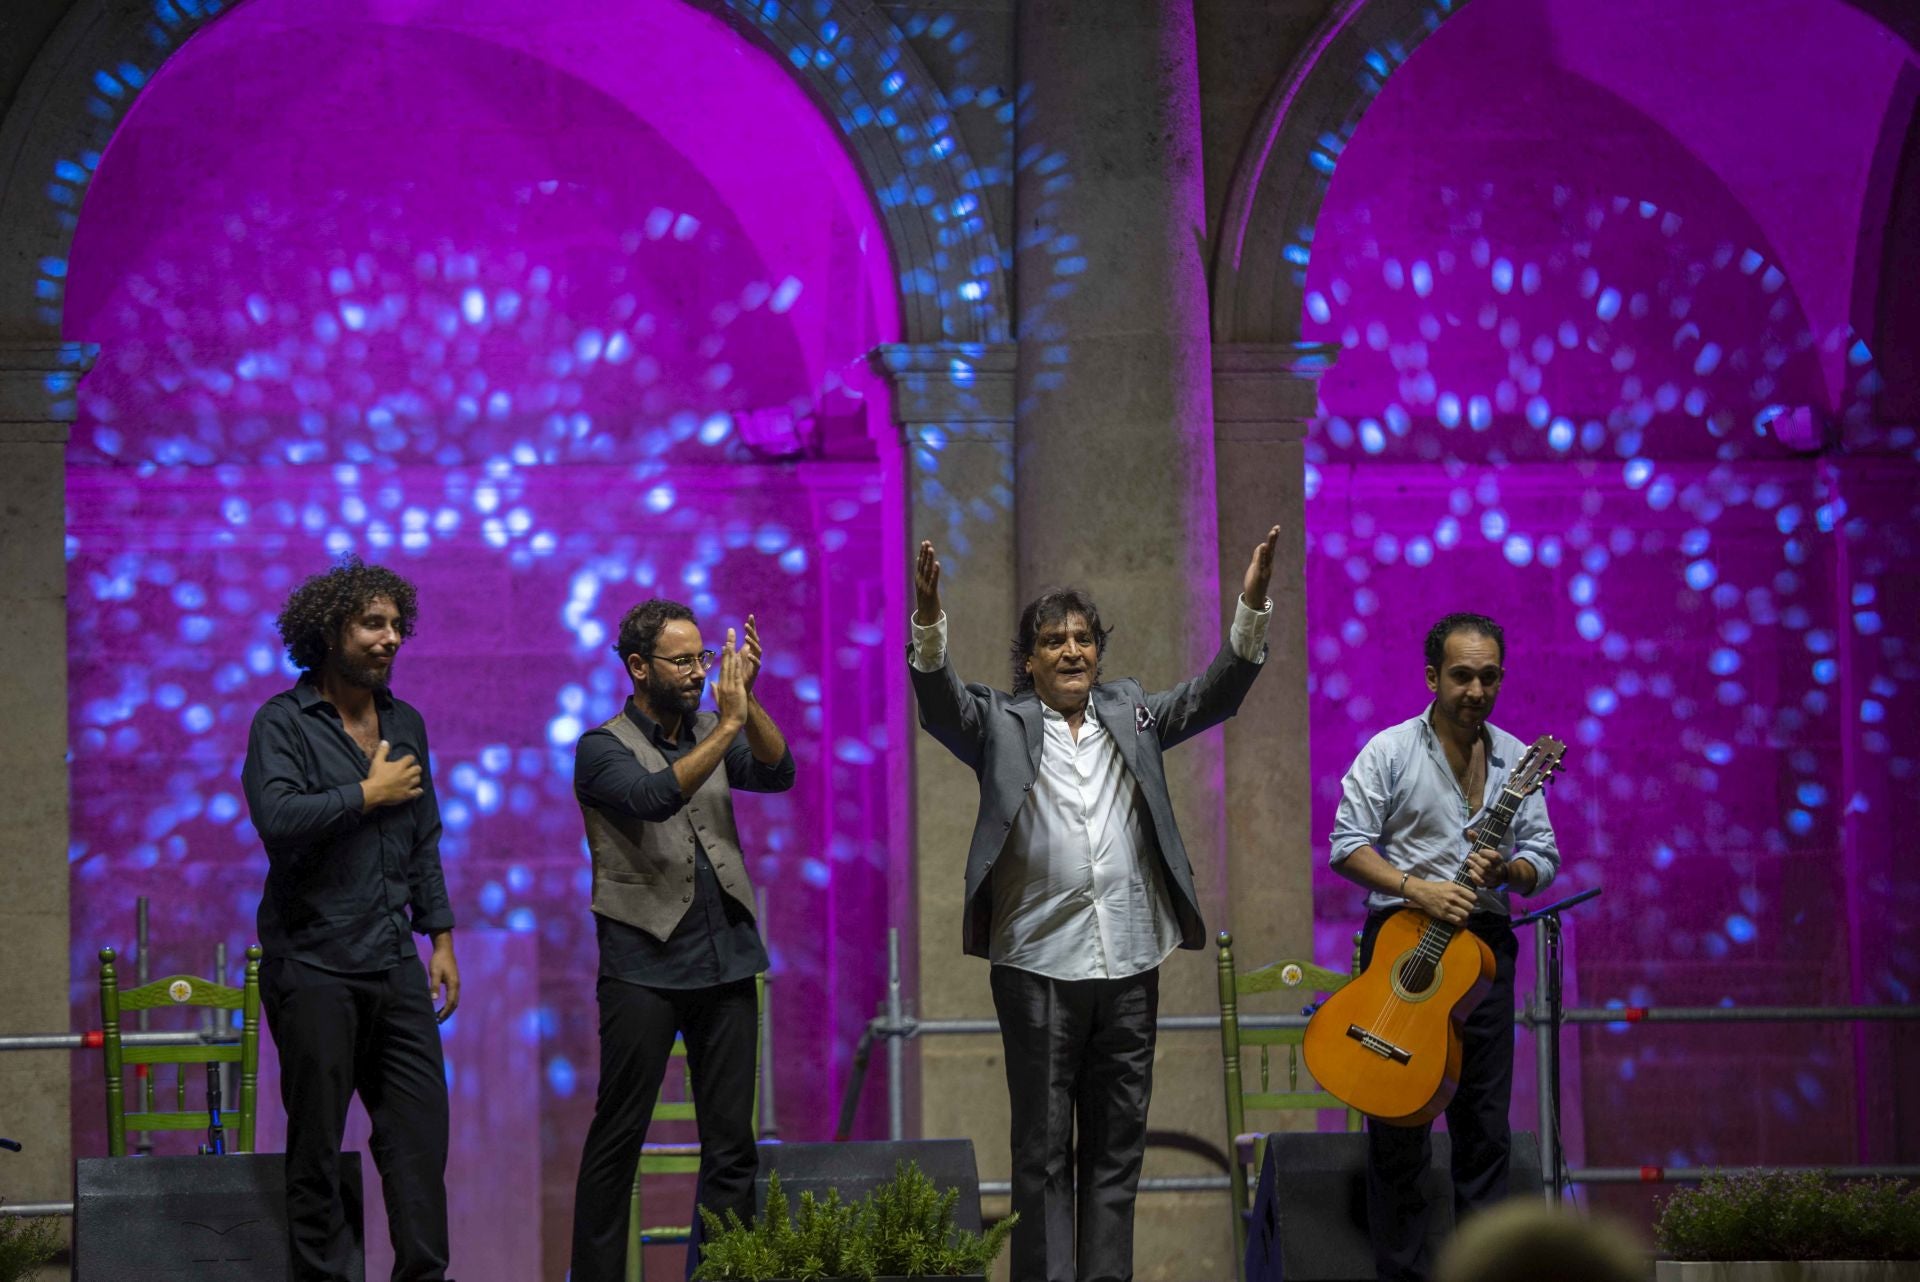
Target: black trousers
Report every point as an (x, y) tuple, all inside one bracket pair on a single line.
[(637, 1025), (374, 1034), (1079, 1075), (1397, 1215)]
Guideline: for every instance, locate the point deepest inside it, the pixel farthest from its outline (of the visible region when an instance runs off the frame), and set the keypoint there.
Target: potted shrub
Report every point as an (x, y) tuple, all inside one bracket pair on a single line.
[(25, 1244), (903, 1229), (1780, 1226)]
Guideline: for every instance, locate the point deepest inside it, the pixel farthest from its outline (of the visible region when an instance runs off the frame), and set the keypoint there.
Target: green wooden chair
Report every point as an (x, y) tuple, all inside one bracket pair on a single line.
[(680, 1158), (1299, 980), (162, 994)]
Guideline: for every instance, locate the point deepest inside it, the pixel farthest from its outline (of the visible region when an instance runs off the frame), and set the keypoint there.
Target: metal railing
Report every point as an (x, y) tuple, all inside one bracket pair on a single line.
[(899, 1028)]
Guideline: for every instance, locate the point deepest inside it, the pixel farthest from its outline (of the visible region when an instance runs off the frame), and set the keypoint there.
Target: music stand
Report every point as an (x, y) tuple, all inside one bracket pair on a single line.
[(1549, 972)]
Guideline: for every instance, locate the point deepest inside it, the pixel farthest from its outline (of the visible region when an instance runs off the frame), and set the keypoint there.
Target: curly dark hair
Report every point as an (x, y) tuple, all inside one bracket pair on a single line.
[(313, 616), (1479, 624), (640, 626), (1051, 607)]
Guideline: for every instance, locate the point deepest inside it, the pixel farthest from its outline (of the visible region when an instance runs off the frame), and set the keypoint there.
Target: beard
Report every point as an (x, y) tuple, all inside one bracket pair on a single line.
[(366, 676), (680, 699)]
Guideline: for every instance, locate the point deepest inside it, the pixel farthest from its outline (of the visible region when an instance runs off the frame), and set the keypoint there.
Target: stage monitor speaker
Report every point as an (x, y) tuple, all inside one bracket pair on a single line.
[(209, 1219), (1309, 1221), (857, 1167)]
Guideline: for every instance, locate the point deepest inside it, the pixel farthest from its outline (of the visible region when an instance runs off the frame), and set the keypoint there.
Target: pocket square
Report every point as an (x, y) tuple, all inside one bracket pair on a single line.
[(1142, 718)]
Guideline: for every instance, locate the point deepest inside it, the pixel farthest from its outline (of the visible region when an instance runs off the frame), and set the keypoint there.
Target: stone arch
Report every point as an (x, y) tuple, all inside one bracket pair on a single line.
[(1283, 173), (852, 62)]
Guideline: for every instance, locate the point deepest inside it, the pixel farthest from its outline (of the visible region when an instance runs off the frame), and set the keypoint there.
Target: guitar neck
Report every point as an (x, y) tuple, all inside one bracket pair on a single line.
[(1493, 829)]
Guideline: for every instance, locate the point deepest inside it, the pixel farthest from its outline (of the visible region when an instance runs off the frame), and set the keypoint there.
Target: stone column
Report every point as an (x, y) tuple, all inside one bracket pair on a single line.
[(954, 405), (1264, 396), (1114, 472), (36, 404)]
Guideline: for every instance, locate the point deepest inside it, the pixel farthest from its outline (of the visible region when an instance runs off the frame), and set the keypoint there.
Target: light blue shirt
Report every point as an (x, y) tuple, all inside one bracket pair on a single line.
[(1401, 798)]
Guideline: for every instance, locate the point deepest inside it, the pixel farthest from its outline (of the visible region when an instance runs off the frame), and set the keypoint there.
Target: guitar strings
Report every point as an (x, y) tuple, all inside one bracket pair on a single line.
[(1423, 960)]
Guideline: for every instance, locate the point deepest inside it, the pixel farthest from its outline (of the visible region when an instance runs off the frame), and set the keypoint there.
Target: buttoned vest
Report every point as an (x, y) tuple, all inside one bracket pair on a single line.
[(643, 869)]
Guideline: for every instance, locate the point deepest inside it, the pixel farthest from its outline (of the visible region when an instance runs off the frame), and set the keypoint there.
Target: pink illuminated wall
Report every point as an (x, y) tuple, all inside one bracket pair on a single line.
[(552, 308), (1592, 273)]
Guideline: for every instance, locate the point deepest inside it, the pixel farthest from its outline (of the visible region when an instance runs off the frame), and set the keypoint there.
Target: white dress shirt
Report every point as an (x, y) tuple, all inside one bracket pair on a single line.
[(1077, 891), (1400, 797)]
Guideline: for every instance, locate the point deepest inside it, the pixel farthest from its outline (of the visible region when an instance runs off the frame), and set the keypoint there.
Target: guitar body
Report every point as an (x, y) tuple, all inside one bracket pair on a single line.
[(1388, 1043)]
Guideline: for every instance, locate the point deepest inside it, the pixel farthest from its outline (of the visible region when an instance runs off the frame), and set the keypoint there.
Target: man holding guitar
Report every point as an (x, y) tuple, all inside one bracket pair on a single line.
[(1409, 829)]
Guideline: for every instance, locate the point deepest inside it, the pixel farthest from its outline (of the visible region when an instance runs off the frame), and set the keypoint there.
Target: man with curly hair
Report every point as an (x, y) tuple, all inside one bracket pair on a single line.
[(1077, 888), (338, 787)]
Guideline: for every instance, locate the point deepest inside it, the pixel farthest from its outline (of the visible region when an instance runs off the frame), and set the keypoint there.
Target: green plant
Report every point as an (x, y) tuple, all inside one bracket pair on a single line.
[(1782, 1215), (26, 1244), (904, 1228)]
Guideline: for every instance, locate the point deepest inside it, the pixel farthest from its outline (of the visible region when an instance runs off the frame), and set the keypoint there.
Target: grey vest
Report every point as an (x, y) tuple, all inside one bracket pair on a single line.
[(643, 870)]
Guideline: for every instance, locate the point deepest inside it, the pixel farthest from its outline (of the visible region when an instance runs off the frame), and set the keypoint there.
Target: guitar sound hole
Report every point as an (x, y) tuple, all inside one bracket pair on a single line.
[(1414, 976)]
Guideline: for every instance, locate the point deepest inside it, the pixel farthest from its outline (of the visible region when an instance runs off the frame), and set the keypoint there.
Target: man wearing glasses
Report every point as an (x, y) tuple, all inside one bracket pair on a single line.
[(673, 909)]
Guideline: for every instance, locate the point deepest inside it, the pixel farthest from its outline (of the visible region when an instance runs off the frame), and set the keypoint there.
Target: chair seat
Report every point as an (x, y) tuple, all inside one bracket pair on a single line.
[(667, 1233)]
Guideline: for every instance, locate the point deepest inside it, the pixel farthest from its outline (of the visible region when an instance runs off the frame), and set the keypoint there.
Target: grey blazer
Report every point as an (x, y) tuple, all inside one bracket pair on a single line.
[(999, 735)]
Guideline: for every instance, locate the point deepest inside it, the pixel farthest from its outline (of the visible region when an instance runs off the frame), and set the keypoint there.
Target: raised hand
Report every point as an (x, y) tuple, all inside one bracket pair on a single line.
[(730, 687), (389, 781), (750, 653), (926, 586), (1260, 571)]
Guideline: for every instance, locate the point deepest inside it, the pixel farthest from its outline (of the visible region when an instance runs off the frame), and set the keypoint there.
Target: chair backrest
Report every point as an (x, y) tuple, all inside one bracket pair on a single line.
[(162, 994), (1301, 980), (668, 1157)]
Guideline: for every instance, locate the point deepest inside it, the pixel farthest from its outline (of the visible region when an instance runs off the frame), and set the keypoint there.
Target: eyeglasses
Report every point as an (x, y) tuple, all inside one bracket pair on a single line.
[(685, 662)]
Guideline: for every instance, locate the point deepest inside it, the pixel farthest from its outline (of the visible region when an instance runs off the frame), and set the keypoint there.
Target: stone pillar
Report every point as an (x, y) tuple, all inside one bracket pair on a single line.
[(36, 404), (954, 404), (1264, 396), (1114, 471)]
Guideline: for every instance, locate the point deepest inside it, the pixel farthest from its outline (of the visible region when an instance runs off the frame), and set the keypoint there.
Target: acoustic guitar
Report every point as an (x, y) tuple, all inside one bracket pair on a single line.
[(1388, 1042)]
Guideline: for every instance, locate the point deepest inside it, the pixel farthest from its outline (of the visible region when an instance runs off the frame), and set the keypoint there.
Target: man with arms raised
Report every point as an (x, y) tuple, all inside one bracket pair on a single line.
[(338, 787), (1408, 810), (674, 912), (1077, 888)]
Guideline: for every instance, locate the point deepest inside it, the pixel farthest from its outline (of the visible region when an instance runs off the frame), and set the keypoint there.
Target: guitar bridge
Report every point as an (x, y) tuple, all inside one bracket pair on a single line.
[(1378, 1045)]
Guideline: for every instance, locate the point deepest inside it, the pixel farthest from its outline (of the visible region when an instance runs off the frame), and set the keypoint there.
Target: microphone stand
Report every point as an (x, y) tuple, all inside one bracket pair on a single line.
[(1546, 1012), (216, 1133)]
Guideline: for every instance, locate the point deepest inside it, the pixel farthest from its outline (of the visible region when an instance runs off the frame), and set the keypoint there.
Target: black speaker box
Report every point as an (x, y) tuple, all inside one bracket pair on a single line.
[(1309, 1221), (856, 1167), (210, 1219)]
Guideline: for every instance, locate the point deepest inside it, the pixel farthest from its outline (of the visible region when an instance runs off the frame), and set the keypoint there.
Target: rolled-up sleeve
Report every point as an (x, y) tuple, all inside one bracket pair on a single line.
[(750, 774), (1364, 801), (285, 814), (607, 774), (1533, 840)]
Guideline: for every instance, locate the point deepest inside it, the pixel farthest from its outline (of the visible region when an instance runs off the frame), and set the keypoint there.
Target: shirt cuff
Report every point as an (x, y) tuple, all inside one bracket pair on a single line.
[(1542, 870), (929, 653), (1249, 634)]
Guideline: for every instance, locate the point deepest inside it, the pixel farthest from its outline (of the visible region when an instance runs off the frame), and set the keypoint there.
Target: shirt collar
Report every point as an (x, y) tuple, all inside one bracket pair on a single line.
[(1049, 714), (1486, 736), (654, 731), (307, 693)]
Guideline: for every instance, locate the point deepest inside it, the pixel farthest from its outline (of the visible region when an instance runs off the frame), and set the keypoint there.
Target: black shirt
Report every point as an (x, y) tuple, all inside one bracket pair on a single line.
[(716, 941), (340, 882)]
